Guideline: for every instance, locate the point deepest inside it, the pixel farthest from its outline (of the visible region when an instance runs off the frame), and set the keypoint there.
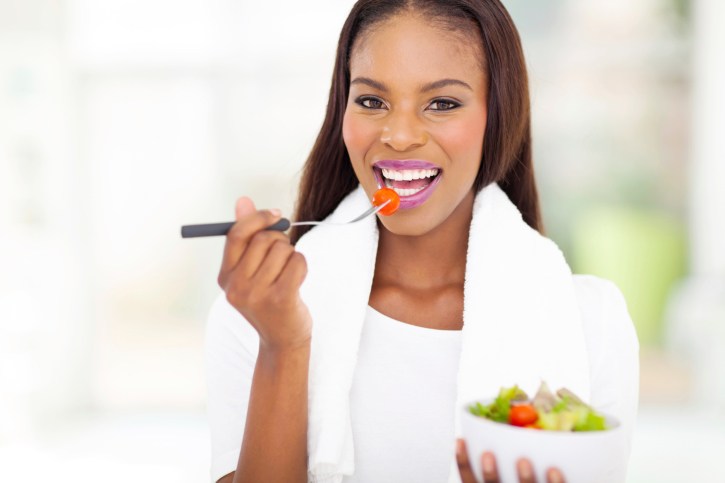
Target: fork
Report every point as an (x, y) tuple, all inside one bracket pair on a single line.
[(221, 229)]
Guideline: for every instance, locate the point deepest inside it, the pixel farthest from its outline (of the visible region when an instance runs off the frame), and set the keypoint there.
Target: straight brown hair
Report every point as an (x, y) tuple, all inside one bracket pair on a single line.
[(507, 139)]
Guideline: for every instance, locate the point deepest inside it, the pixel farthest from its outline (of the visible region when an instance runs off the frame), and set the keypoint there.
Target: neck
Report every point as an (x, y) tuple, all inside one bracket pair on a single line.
[(435, 259)]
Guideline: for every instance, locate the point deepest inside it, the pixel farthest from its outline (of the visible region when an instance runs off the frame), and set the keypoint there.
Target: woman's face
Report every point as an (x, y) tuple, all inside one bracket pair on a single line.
[(416, 111)]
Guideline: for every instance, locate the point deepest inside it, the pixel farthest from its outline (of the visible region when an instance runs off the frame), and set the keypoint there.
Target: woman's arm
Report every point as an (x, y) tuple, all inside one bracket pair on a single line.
[(261, 274)]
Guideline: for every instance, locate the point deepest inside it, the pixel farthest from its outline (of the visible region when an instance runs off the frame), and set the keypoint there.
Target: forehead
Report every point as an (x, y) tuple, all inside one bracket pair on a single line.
[(408, 49)]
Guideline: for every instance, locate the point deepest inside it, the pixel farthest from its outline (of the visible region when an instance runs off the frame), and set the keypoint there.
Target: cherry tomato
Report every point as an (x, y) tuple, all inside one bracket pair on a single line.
[(384, 194), (523, 415)]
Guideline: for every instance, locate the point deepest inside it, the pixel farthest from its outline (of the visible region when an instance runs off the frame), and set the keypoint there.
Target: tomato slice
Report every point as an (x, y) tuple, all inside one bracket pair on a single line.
[(523, 415), (384, 194)]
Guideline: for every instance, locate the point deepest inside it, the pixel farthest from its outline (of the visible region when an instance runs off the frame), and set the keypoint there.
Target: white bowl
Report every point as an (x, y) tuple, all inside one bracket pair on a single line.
[(582, 457)]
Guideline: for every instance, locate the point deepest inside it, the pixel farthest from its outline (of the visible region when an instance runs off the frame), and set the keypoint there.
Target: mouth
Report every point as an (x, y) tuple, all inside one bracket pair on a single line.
[(413, 180)]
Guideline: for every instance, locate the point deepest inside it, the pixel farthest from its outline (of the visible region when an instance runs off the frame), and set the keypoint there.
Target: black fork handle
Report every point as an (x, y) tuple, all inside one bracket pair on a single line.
[(221, 229)]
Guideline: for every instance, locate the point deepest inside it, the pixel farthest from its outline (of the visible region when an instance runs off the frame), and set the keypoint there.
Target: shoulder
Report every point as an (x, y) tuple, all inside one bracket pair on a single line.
[(594, 292), (608, 327), (228, 331), (601, 303)]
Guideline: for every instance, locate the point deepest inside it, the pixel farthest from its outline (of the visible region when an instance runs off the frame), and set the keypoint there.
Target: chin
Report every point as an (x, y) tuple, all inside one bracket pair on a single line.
[(406, 227)]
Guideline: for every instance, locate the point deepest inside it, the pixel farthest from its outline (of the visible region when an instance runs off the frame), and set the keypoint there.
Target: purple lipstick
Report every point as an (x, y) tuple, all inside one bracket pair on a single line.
[(414, 180)]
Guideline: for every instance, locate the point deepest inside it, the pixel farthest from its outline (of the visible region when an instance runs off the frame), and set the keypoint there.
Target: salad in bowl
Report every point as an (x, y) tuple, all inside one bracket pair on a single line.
[(562, 411), (551, 429)]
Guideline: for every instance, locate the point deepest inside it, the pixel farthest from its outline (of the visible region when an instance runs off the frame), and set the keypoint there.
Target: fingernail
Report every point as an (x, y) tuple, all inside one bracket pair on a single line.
[(524, 469), (554, 476), (487, 463), (275, 212)]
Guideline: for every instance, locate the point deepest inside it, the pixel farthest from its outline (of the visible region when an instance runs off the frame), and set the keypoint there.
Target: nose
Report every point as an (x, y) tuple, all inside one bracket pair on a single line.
[(403, 131)]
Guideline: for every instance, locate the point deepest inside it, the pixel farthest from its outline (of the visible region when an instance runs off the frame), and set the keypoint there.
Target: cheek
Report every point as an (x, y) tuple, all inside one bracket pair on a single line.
[(463, 141), (467, 137), (358, 136)]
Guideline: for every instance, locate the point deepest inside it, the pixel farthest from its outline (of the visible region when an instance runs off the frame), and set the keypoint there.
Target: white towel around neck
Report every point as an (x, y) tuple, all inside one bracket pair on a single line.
[(521, 319)]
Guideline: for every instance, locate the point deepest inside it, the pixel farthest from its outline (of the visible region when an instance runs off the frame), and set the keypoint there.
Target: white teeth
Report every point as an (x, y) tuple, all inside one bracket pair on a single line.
[(409, 174), (407, 192)]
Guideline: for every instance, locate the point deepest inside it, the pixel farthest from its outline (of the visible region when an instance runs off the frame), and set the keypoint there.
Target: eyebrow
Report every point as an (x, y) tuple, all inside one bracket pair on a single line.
[(427, 87)]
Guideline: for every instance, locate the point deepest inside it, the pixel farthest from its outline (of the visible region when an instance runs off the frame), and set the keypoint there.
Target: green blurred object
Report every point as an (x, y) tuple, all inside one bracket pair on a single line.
[(642, 252)]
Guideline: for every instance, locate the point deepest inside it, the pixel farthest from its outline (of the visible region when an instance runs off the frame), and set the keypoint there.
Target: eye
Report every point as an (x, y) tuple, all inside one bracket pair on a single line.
[(369, 102), (443, 105)]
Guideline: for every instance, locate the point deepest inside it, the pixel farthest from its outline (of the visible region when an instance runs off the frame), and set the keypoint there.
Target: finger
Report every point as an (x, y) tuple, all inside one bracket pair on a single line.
[(553, 475), (257, 252), (525, 471), (239, 236), (464, 465), (490, 470), (293, 274), (244, 206), (273, 264)]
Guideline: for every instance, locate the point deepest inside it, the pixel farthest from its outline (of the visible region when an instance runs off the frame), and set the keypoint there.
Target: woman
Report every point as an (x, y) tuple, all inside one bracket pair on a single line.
[(343, 353)]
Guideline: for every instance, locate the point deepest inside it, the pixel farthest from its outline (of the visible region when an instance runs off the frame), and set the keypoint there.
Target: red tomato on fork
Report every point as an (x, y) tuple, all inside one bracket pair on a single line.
[(523, 415), (384, 194)]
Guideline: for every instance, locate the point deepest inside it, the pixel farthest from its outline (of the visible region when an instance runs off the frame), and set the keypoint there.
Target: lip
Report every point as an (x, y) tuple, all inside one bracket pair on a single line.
[(413, 201), (404, 164)]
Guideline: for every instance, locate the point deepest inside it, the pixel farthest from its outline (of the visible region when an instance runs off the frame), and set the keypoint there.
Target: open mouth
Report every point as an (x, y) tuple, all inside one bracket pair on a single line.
[(413, 180), (406, 182)]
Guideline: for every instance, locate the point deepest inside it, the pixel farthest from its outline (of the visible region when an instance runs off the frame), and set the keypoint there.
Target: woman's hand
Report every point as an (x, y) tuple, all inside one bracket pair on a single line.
[(261, 274), (490, 473)]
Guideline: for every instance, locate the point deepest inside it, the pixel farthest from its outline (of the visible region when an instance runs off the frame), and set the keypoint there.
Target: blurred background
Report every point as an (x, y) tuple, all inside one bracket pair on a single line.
[(121, 120)]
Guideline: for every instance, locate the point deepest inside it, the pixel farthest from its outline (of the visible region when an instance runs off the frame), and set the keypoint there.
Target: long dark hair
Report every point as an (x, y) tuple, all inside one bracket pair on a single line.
[(507, 141)]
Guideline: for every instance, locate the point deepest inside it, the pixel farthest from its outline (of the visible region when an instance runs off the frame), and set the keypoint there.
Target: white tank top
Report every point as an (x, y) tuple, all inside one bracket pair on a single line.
[(403, 369), (406, 433)]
